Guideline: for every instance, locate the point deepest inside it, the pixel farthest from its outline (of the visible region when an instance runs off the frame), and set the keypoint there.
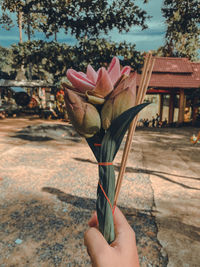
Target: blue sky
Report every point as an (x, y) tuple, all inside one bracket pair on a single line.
[(149, 39)]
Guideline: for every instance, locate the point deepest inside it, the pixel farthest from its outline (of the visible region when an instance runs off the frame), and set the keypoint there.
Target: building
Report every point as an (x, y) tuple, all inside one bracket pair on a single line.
[(176, 78)]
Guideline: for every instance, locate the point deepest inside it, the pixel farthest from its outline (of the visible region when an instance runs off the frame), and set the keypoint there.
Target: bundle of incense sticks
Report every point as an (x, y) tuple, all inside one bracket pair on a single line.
[(144, 82)]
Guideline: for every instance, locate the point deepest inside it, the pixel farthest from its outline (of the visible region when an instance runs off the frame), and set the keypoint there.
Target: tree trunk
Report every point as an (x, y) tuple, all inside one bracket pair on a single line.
[(28, 29), (29, 39), (20, 18), (20, 26)]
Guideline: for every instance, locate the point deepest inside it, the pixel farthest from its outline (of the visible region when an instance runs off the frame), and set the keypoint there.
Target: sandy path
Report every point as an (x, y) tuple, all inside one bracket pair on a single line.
[(48, 191)]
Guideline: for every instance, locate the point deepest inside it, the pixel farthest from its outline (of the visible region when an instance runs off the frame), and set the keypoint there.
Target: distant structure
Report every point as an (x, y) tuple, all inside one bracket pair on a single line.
[(24, 83), (174, 76)]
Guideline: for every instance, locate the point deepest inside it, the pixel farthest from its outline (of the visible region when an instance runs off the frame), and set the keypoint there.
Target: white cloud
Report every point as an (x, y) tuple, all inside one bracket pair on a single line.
[(150, 38), (9, 38)]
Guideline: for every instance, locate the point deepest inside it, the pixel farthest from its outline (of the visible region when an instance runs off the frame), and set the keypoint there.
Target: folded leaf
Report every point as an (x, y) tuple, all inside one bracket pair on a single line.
[(109, 147), (115, 133)]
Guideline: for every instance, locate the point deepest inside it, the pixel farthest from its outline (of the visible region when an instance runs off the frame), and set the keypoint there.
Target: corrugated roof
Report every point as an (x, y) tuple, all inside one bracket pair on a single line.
[(174, 73), (168, 80), (172, 65)]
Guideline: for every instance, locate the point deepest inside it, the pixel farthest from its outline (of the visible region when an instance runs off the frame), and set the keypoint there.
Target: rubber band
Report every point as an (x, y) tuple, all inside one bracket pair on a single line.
[(97, 144), (112, 208), (105, 163)]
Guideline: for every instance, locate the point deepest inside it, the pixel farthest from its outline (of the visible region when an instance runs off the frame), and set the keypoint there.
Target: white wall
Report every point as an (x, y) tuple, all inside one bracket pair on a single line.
[(151, 110)]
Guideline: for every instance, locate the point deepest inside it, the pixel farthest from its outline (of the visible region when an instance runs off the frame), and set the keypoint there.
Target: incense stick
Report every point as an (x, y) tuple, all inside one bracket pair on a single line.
[(144, 82)]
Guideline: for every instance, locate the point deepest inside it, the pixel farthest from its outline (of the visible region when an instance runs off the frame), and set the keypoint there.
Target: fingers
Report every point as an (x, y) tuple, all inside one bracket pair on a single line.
[(95, 243), (120, 222), (93, 222), (94, 240), (122, 250), (125, 235), (125, 242)]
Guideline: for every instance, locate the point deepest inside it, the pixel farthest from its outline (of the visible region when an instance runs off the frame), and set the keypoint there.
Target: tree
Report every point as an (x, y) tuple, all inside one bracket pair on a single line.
[(91, 17), (86, 20), (79, 17), (51, 60), (6, 70), (182, 35), (26, 19)]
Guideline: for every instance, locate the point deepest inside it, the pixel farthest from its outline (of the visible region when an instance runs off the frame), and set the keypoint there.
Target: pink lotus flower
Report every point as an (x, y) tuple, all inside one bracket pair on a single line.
[(121, 99), (113, 89), (84, 116), (100, 83)]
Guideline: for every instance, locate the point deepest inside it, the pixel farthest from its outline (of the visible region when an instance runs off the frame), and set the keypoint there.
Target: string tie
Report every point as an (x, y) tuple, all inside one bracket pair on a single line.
[(107, 198), (97, 144), (105, 163)]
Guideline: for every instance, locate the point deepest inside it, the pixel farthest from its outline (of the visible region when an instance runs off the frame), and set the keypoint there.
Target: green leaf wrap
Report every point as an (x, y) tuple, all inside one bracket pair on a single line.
[(104, 211), (110, 144)]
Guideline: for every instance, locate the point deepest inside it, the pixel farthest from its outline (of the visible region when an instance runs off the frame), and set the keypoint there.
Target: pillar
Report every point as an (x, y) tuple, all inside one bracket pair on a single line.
[(160, 106), (194, 110), (171, 108), (181, 106)]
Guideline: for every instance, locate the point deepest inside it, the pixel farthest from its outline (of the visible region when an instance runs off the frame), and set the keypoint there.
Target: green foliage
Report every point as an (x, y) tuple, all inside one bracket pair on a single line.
[(85, 18), (6, 70), (99, 52), (6, 21), (182, 35), (32, 17), (53, 59), (80, 18), (89, 17)]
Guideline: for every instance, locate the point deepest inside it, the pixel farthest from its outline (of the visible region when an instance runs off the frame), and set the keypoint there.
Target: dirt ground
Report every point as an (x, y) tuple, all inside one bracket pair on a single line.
[(48, 180)]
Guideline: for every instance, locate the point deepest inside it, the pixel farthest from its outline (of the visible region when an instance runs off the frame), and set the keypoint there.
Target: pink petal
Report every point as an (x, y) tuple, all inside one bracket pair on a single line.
[(91, 74), (98, 71), (126, 70), (114, 70), (127, 83), (79, 80), (104, 84), (82, 74)]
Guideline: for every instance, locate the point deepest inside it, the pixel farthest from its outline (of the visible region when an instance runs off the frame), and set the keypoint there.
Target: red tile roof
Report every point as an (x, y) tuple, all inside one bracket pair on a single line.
[(166, 80), (172, 65), (171, 73)]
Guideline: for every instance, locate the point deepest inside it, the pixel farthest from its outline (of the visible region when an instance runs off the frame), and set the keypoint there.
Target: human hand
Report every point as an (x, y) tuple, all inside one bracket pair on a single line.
[(121, 253)]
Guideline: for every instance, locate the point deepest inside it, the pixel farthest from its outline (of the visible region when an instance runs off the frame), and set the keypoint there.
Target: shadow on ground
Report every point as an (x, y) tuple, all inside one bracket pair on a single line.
[(160, 174), (35, 231), (48, 132)]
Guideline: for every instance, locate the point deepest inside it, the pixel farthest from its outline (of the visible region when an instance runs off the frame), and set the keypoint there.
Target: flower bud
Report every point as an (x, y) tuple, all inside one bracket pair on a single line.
[(84, 116), (122, 98)]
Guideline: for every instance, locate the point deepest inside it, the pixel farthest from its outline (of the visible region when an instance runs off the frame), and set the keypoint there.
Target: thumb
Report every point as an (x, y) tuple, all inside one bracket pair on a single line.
[(95, 243), (125, 236)]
